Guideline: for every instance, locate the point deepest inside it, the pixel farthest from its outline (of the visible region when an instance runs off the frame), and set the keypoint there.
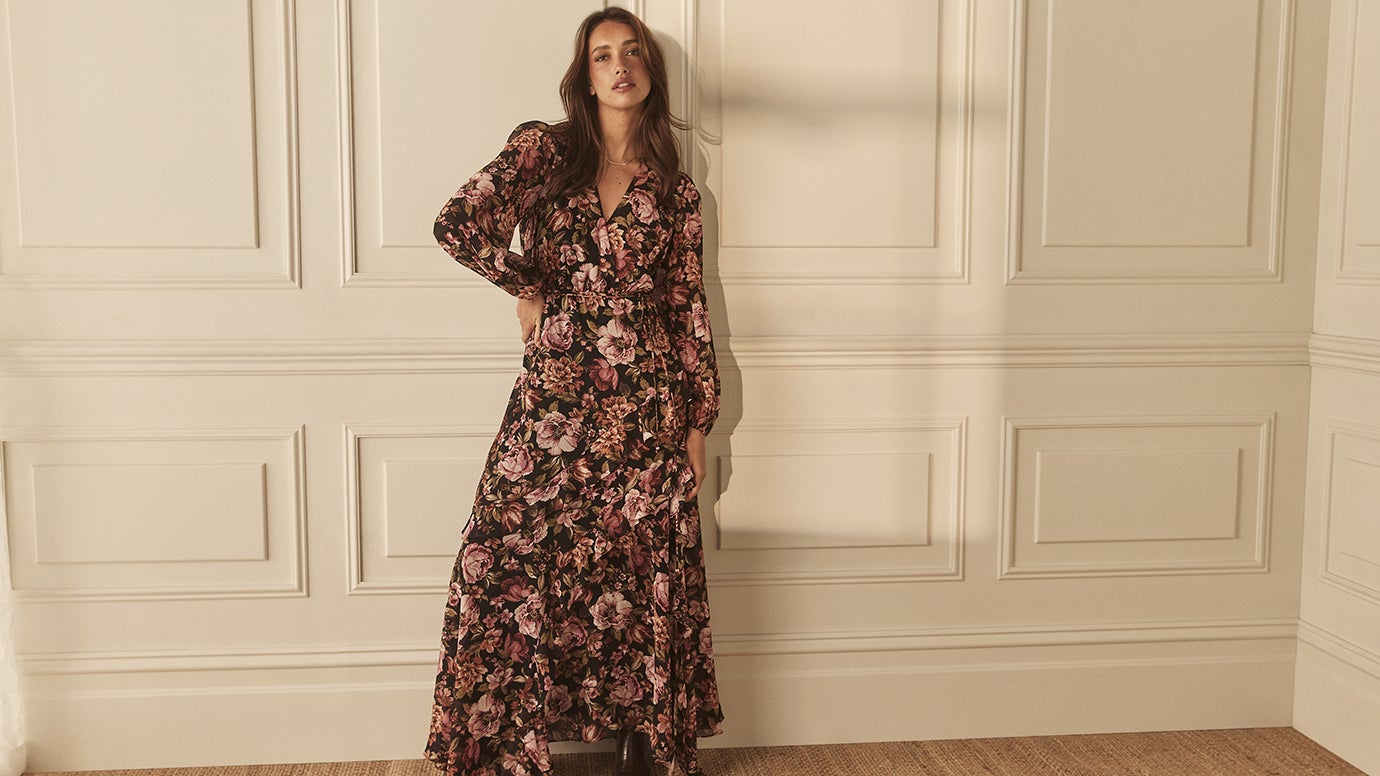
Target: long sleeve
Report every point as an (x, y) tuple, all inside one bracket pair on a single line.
[(688, 310), (476, 225)]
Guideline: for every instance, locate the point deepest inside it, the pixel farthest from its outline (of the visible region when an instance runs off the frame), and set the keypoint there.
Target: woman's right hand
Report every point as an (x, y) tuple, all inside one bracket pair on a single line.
[(529, 316)]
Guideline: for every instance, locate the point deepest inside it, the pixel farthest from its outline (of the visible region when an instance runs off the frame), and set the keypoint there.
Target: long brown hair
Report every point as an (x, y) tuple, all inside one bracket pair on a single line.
[(655, 141)]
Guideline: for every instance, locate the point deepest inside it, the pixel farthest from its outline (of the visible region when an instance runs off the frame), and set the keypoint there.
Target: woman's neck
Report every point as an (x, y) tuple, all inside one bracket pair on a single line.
[(616, 132)]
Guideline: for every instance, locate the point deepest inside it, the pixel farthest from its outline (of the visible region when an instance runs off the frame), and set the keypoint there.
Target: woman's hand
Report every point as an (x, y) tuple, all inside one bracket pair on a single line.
[(694, 446), (529, 316)]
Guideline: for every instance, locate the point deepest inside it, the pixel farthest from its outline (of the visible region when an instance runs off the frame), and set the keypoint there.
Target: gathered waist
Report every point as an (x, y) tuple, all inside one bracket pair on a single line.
[(610, 299)]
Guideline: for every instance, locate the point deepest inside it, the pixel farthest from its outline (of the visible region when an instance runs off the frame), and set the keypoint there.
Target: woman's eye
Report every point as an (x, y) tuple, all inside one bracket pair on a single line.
[(634, 53)]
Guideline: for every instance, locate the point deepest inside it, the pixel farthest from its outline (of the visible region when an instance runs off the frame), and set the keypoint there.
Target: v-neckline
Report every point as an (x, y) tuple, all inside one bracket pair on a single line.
[(622, 198)]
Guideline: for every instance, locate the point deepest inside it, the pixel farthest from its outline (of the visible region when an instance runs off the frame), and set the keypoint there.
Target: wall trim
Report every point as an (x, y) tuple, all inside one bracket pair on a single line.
[(1339, 647), (1352, 354), (503, 355), (730, 645)]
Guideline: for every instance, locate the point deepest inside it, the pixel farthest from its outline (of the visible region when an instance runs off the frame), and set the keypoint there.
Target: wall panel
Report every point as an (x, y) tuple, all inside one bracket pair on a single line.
[(189, 176), (154, 515), (1151, 141), (1351, 533), (1106, 496), (866, 502), (1358, 234), (846, 168)]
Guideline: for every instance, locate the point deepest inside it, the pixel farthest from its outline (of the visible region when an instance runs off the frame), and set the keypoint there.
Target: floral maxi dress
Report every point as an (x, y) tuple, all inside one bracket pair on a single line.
[(577, 605)]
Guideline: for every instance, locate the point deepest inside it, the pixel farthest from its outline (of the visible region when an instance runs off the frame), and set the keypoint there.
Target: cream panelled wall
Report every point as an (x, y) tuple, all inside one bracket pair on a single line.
[(1013, 301), (1337, 680)]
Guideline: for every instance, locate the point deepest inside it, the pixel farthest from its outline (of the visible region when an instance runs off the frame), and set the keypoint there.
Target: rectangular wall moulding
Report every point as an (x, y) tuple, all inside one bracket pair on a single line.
[(1148, 141), (151, 145), (410, 493), (155, 514), (847, 501), (1088, 497), (1358, 175), (1351, 518), (421, 114), (884, 198)]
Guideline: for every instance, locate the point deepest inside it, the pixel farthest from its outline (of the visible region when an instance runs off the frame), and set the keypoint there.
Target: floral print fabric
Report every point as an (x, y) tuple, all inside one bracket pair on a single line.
[(577, 605)]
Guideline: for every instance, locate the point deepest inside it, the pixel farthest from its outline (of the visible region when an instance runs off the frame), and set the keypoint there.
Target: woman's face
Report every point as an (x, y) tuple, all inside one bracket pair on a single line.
[(617, 73)]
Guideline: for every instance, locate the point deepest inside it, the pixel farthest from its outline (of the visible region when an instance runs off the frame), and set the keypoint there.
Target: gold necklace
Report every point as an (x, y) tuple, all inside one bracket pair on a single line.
[(619, 164)]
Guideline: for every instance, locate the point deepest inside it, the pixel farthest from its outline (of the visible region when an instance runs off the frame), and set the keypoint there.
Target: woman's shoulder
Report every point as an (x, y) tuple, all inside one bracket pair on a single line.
[(686, 194), (537, 134)]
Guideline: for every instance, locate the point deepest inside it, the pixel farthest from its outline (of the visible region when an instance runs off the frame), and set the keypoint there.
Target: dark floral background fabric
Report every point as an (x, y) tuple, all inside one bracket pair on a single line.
[(578, 605)]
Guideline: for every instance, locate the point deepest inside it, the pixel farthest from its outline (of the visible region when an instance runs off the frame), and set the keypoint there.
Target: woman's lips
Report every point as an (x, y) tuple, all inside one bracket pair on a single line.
[(623, 86)]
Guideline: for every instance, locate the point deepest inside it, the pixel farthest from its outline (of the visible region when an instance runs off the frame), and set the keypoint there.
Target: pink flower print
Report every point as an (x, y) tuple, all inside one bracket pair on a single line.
[(600, 234), (587, 279), (479, 188), (558, 434), (617, 342), (573, 633), (516, 589), (612, 610), (468, 614), (625, 690), (558, 332), (517, 463), (620, 305), (558, 702), (535, 748), (485, 715), (467, 671), (544, 493), (693, 226), (636, 505), (643, 205), (530, 617), (689, 352), (529, 158), (661, 590), (475, 562), (515, 647), (572, 254), (700, 319), (559, 219)]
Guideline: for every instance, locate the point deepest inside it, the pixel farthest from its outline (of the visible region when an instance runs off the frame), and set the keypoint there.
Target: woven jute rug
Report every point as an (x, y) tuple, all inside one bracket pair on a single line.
[(1254, 752)]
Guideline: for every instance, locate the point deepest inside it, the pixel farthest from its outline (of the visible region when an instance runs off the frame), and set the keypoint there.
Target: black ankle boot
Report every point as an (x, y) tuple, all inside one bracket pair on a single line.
[(633, 755)]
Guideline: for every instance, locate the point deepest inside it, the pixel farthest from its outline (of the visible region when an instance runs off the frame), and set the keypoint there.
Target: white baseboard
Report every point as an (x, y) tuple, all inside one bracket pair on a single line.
[(1337, 697), (251, 717)]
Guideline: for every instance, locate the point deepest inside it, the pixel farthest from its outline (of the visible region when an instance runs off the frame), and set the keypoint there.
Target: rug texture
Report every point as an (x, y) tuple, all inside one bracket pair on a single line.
[(1254, 752)]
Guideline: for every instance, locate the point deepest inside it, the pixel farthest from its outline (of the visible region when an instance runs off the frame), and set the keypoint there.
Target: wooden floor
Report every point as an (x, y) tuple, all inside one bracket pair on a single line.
[(1254, 752)]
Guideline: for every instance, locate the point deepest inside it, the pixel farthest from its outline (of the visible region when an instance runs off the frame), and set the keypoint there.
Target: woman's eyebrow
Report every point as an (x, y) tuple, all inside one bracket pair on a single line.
[(627, 42)]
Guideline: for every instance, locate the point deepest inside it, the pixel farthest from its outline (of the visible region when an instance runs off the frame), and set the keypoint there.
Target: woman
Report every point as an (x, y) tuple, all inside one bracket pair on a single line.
[(577, 606)]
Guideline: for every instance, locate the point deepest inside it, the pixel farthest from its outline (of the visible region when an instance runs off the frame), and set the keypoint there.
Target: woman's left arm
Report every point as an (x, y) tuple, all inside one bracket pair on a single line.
[(690, 331)]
